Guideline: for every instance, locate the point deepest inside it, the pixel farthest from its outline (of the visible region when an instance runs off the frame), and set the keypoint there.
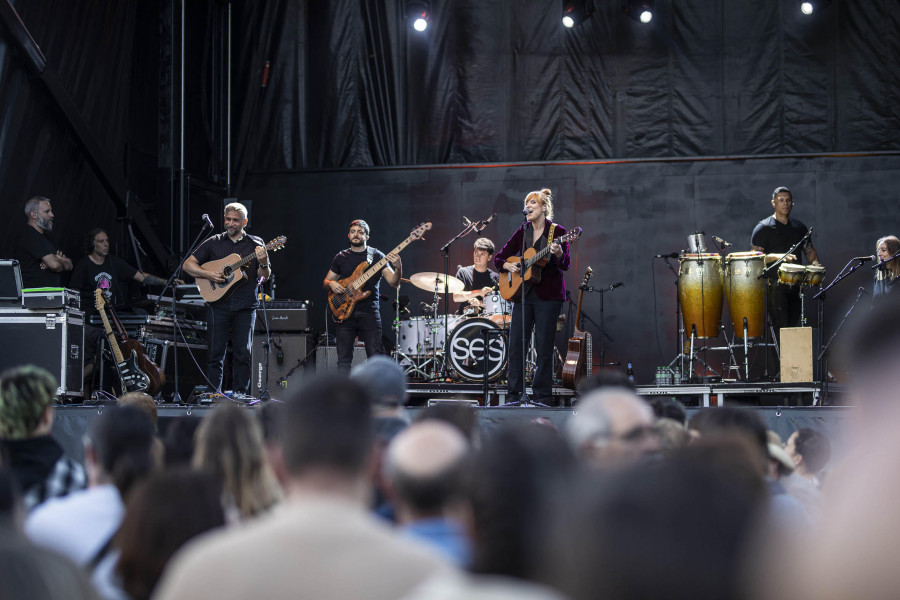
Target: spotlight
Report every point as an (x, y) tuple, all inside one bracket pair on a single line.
[(639, 10), (418, 14), (575, 12), (808, 7)]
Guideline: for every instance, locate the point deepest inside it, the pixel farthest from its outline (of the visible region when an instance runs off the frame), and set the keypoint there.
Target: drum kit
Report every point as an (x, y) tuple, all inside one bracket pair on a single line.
[(705, 280), (456, 345)]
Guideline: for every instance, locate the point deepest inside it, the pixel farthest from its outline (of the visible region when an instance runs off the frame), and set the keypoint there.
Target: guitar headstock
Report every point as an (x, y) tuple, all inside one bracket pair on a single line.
[(570, 236), (587, 277), (419, 231), (277, 244), (99, 300)]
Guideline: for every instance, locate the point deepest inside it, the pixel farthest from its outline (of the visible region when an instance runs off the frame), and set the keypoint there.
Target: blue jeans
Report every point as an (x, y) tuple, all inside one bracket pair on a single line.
[(365, 322), (541, 315), (238, 325)]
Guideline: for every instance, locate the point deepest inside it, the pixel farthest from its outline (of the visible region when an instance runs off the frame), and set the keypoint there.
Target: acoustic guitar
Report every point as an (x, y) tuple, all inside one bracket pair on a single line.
[(137, 373), (342, 304), (580, 352), (532, 264), (232, 267)]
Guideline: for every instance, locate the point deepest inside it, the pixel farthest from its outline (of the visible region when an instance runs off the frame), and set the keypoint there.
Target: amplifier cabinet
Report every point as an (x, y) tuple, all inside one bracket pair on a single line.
[(326, 358), (53, 340), (189, 373), (286, 350)]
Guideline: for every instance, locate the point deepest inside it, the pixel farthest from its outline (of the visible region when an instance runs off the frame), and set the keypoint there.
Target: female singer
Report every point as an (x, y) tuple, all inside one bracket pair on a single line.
[(886, 277), (543, 300)]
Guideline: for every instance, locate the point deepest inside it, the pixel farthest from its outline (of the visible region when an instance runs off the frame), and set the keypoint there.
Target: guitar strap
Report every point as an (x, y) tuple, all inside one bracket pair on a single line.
[(550, 234), (370, 254)]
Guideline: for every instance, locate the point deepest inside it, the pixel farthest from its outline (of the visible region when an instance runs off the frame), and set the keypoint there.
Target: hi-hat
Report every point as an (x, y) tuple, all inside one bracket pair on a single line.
[(429, 280)]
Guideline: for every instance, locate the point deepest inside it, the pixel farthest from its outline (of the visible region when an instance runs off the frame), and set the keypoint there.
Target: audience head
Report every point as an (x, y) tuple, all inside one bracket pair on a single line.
[(229, 444), (809, 449), (144, 402), (780, 464), (729, 421), (384, 380), (179, 440), (672, 434), (603, 380), (461, 416), (26, 402), (668, 408), (164, 512), (119, 448), (28, 572), (425, 465), (612, 425)]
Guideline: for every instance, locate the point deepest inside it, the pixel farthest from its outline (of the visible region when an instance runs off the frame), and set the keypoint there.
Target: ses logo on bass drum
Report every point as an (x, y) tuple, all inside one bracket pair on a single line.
[(467, 350)]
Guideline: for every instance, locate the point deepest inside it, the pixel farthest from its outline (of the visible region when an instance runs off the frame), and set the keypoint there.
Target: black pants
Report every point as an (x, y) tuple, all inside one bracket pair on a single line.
[(237, 325), (540, 315), (784, 306), (365, 322)]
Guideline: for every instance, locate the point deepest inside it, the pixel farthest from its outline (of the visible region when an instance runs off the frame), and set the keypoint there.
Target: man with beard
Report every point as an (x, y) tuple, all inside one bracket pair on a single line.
[(40, 261), (234, 316), (365, 320)]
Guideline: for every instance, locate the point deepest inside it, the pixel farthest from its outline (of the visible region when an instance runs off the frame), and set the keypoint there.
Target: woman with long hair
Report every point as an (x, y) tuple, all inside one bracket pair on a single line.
[(886, 277)]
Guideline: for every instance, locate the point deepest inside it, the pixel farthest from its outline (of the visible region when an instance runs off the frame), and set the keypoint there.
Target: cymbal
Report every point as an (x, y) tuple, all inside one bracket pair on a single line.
[(427, 281)]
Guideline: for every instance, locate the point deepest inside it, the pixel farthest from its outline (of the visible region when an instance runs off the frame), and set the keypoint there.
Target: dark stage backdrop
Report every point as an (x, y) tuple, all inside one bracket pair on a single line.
[(630, 211)]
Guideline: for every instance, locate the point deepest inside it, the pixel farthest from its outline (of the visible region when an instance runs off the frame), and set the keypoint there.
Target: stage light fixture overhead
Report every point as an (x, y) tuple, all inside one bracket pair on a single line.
[(418, 14), (808, 7), (575, 12), (639, 10)]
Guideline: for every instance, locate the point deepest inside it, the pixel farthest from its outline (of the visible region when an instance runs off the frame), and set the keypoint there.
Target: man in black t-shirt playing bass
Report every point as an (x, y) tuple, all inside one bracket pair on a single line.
[(774, 236), (365, 320)]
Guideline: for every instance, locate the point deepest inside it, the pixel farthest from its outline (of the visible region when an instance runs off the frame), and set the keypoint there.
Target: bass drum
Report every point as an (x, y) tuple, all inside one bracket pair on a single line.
[(467, 350)]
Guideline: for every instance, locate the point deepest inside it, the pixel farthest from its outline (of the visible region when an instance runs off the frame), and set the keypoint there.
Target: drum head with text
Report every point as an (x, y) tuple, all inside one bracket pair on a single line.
[(467, 350)]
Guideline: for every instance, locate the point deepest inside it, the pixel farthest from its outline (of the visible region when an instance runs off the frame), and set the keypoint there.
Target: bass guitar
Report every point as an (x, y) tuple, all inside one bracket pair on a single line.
[(232, 267), (532, 264), (342, 303), (136, 372), (580, 352)]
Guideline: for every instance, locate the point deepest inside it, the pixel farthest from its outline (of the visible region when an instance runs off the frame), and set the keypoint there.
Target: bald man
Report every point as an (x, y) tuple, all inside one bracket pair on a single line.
[(424, 468), (612, 426)]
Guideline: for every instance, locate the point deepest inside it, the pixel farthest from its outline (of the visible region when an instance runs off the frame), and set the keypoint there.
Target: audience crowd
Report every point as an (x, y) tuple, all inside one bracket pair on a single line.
[(340, 492)]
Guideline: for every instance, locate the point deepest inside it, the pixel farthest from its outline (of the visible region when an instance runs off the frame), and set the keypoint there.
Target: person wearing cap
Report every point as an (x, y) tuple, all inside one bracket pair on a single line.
[(37, 461)]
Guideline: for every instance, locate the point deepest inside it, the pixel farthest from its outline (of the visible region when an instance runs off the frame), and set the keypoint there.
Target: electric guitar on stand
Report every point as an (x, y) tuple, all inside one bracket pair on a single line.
[(232, 267), (580, 354), (342, 304), (137, 373), (532, 264)]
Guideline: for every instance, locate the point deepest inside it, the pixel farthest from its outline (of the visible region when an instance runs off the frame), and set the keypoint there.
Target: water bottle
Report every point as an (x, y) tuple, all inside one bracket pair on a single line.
[(630, 372), (660, 377)]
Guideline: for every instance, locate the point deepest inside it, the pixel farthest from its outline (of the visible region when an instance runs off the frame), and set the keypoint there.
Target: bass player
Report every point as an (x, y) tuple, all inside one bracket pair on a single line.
[(234, 315), (543, 300), (365, 320)]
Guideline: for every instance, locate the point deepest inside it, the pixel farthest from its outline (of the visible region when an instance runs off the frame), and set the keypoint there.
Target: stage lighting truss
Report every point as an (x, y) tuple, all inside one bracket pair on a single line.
[(639, 10), (575, 12), (418, 14), (808, 7)]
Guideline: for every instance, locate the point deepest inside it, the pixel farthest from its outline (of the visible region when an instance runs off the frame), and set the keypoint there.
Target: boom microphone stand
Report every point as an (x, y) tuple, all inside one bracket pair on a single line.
[(445, 250), (602, 292)]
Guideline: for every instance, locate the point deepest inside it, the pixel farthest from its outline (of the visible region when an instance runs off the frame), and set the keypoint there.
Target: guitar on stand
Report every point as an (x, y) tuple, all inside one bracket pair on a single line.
[(343, 303), (232, 267), (580, 351), (136, 372), (533, 263)]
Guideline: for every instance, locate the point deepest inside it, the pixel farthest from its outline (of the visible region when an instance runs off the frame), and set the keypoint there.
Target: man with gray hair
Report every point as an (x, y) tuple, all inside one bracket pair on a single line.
[(612, 426), (40, 261), (36, 460)]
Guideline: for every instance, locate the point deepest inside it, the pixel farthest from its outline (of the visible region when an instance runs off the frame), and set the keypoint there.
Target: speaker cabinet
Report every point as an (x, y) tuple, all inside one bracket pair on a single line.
[(285, 353), (326, 358), (190, 373), (52, 340)]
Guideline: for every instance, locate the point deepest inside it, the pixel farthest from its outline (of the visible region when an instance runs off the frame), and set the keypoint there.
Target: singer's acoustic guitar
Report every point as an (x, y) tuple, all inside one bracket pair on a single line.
[(233, 267), (532, 264)]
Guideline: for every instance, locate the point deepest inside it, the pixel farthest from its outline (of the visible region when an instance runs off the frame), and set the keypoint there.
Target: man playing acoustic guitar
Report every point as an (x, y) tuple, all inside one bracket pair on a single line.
[(365, 320), (234, 315)]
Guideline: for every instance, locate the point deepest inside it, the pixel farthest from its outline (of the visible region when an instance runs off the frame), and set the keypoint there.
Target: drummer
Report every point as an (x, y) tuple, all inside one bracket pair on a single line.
[(478, 278), (774, 236)]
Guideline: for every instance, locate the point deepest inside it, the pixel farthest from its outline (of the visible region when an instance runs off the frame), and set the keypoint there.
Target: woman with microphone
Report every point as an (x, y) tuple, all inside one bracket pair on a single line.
[(543, 300), (886, 276)]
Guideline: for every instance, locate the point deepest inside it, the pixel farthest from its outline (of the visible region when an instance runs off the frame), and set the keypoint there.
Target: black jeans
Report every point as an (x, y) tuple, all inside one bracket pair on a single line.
[(365, 322), (540, 315), (237, 325), (784, 306)]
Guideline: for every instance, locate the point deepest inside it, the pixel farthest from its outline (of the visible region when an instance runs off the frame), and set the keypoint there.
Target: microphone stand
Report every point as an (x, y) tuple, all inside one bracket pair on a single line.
[(176, 397), (880, 266), (445, 250), (264, 395), (602, 292), (822, 358)]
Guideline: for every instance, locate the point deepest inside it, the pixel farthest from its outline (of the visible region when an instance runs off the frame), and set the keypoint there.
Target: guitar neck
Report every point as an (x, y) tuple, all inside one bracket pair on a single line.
[(578, 311), (545, 251), (113, 344), (376, 267)]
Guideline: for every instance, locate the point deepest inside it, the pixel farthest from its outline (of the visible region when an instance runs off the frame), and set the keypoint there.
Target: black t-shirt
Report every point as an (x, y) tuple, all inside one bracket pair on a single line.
[(773, 236), (347, 260), (87, 275), (32, 247), (220, 246), (475, 280)]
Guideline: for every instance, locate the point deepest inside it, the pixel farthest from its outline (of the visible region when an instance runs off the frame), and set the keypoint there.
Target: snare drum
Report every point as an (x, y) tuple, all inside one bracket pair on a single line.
[(814, 275), (790, 274), (497, 309), (746, 292), (467, 350), (700, 291)]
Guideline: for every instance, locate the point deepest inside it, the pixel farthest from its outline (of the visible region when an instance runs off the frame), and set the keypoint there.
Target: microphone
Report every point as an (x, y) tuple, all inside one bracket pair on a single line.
[(466, 221), (207, 221), (669, 255), (865, 258), (862, 292), (483, 224), (616, 284), (526, 212), (721, 242)]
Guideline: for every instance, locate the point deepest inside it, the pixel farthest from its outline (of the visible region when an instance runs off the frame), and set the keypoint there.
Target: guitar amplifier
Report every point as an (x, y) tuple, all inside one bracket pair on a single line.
[(285, 352), (53, 340), (282, 315), (326, 358)]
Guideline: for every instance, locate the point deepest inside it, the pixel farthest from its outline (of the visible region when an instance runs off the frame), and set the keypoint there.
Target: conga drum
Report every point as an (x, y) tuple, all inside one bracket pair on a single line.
[(814, 275), (746, 292), (700, 291), (791, 274)]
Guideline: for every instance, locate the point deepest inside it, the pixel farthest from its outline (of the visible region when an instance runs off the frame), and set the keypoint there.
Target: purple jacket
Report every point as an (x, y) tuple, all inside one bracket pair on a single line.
[(552, 285)]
